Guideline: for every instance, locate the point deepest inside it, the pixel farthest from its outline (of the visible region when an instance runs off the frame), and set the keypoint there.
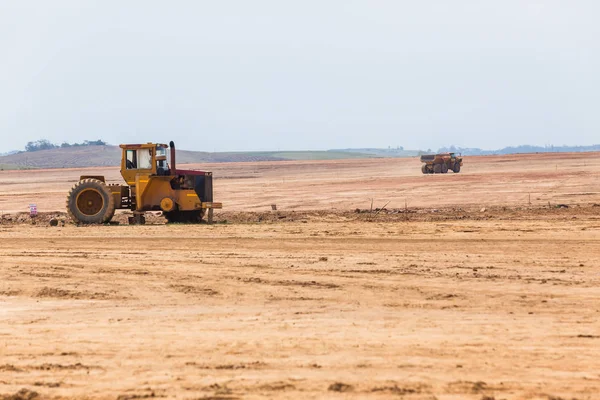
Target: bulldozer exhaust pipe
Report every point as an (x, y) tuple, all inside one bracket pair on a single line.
[(173, 165)]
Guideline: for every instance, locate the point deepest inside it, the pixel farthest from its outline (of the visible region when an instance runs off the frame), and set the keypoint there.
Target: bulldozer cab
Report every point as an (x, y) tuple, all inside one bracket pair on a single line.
[(143, 159)]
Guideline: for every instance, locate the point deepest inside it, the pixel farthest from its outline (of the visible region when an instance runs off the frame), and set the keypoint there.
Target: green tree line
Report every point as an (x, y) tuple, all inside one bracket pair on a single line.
[(44, 144)]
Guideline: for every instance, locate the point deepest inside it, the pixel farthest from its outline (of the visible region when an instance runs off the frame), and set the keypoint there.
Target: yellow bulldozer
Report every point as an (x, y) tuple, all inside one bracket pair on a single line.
[(152, 185)]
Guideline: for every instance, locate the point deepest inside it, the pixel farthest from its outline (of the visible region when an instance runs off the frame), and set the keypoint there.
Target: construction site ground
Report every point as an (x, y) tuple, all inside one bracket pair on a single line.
[(481, 285)]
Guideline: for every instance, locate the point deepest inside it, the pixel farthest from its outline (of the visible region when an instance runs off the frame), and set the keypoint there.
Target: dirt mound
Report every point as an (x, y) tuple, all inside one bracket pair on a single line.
[(48, 292), (560, 211), (59, 219), (412, 214)]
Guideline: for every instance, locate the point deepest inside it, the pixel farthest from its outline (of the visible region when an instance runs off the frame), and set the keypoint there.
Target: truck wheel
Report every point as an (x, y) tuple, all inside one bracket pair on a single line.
[(456, 168), (437, 169), (90, 202), (424, 169), (444, 168)]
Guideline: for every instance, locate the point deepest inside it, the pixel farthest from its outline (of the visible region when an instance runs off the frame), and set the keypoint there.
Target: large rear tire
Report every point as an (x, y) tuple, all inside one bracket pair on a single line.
[(90, 201), (444, 168), (437, 169)]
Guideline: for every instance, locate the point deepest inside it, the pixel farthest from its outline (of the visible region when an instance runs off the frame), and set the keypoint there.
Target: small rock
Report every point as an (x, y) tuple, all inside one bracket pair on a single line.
[(340, 387), (483, 209)]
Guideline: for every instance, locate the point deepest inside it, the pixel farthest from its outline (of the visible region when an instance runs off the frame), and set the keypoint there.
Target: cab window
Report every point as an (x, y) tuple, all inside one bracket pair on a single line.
[(144, 159), (138, 159), (131, 159)]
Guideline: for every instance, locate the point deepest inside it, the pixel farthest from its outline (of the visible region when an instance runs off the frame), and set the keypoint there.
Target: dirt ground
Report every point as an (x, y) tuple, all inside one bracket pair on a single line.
[(482, 285), (515, 180)]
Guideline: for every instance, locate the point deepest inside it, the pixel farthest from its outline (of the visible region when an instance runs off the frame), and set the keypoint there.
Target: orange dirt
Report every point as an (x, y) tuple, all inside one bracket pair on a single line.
[(315, 300)]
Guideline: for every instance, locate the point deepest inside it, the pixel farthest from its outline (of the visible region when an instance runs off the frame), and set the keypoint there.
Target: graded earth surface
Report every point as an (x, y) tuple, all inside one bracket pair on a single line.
[(480, 285)]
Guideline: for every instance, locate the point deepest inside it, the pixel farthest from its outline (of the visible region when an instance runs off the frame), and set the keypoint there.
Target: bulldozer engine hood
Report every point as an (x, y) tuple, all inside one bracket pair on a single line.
[(200, 181)]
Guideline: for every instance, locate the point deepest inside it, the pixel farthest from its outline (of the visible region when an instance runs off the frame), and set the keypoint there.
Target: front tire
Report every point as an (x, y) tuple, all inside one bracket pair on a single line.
[(90, 201), (456, 168)]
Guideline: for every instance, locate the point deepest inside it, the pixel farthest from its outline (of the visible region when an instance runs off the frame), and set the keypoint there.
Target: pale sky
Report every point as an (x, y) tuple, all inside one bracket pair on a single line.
[(275, 74)]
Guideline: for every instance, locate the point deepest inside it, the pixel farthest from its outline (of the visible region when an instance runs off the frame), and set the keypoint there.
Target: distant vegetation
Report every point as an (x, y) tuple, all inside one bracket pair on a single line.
[(9, 167), (44, 144), (519, 149)]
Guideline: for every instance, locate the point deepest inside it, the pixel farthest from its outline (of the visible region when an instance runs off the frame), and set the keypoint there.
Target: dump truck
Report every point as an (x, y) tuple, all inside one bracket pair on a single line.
[(152, 184), (441, 163)]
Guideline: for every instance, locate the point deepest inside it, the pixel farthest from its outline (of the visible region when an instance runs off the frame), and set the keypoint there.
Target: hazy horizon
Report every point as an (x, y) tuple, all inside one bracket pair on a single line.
[(270, 75), (390, 148)]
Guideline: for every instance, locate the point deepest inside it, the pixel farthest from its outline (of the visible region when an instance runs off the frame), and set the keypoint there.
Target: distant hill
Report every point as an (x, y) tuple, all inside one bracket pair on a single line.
[(520, 149), (104, 156), (389, 152), (310, 155), (65, 157)]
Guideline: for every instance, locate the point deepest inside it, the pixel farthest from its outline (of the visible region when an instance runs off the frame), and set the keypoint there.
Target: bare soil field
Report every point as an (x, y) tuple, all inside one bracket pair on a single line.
[(462, 288), (571, 178)]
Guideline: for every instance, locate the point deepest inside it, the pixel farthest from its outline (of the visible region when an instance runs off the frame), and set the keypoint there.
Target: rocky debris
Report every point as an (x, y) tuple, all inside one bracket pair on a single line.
[(23, 394)]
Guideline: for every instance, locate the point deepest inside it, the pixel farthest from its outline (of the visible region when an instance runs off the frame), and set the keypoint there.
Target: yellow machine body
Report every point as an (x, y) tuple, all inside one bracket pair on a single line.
[(151, 185)]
